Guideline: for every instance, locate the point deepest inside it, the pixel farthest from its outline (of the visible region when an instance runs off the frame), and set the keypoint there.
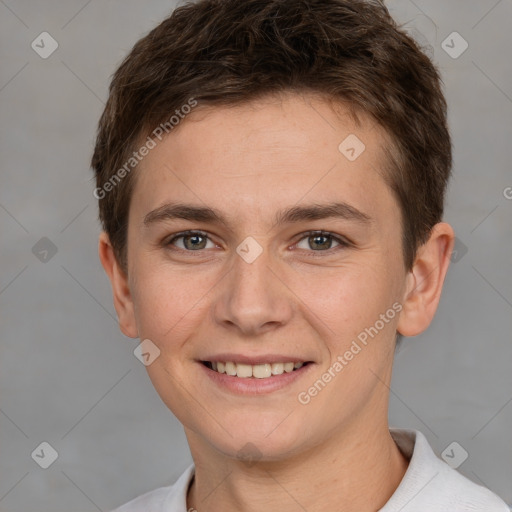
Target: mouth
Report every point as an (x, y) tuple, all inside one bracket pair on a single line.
[(255, 371)]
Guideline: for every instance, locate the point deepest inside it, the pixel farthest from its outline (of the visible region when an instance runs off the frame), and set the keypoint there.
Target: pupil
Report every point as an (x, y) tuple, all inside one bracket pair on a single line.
[(324, 245), (195, 242)]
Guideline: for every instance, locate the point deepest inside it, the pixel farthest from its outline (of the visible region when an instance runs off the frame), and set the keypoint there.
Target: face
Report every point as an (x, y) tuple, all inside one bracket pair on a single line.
[(256, 240)]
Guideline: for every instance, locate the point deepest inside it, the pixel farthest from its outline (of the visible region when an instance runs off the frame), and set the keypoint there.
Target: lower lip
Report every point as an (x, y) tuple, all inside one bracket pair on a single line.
[(253, 385)]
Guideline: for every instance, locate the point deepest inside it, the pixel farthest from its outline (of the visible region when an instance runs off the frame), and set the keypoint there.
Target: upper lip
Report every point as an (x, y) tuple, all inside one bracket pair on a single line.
[(253, 360)]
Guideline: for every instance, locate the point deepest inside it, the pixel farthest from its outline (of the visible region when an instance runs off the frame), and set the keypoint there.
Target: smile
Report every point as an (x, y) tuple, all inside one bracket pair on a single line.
[(258, 371)]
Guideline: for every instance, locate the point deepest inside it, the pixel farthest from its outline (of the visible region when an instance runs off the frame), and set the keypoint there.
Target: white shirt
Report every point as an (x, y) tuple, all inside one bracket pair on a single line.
[(429, 485)]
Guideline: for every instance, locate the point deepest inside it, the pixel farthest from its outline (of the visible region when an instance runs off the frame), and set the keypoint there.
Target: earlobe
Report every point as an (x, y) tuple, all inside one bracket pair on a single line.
[(123, 302), (425, 281)]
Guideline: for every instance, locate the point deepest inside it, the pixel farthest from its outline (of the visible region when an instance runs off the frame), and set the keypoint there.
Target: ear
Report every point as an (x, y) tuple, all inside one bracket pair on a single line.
[(425, 281), (120, 288)]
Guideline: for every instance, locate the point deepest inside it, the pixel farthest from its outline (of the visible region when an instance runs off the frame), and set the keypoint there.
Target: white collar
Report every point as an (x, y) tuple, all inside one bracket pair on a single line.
[(428, 485)]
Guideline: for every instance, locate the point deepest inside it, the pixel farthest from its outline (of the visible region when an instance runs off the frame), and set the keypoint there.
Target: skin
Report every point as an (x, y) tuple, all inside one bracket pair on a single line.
[(249, 162)]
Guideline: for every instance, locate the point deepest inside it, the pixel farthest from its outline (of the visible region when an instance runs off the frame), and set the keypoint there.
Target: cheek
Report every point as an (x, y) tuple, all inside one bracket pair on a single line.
[(167, 301), (345, 299)]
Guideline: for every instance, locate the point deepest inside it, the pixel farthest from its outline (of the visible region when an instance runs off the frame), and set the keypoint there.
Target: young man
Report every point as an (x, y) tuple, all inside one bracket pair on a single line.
[(271, 176)]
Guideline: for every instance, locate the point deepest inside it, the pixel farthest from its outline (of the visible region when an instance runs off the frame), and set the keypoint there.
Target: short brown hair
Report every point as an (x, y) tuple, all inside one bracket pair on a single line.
[(227, 52)]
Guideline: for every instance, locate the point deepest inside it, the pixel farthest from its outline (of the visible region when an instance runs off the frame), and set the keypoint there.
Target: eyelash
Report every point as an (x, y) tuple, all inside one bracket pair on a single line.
[(342, 243)]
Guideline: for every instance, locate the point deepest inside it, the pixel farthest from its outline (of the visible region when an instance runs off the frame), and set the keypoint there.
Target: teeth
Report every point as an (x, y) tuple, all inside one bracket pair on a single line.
[(288, 367), (243, 370), (277, 368), (259, 371), (231, 368)]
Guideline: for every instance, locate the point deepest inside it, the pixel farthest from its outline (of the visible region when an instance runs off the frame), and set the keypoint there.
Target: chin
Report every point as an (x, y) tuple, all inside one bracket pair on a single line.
[(252, 440)]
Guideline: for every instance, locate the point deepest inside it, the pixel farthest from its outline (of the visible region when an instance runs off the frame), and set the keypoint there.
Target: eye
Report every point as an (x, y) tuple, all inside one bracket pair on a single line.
[(191, 241), (321, 241)]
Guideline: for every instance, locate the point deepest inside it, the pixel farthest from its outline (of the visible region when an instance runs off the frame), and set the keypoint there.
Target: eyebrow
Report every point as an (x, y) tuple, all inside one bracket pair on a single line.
[(340, 210)]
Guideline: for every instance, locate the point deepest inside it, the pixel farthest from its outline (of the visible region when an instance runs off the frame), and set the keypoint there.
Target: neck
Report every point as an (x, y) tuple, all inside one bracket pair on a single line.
[(355, 468)]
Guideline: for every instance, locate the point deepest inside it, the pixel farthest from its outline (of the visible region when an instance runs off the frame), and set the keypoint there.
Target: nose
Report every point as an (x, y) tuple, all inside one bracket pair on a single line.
[(252, 297)]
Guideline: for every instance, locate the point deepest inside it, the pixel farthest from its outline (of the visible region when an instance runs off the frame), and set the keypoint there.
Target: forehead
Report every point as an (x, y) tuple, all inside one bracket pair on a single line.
[(255, 157)]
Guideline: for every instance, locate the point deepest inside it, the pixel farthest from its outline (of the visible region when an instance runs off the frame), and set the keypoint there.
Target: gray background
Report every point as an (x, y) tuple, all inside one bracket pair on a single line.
[(69, 377)]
